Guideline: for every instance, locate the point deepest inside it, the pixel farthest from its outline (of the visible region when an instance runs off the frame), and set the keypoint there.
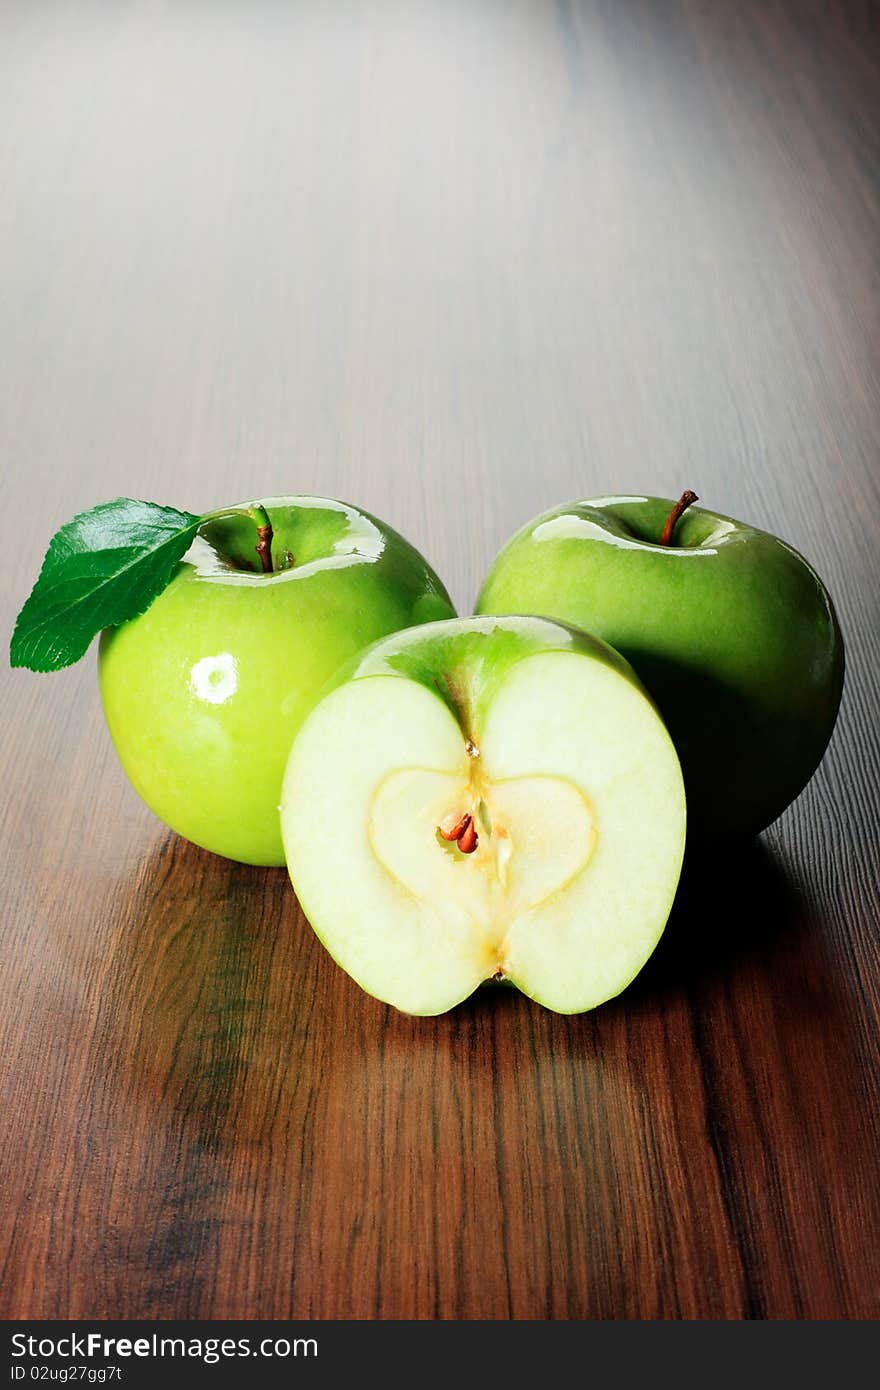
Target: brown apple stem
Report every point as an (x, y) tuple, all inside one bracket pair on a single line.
[(685, 500), (264, 536), (263, 547)]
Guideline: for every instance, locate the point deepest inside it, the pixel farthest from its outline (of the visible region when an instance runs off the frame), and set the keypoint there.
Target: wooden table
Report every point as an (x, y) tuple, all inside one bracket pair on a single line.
[(457, 262)]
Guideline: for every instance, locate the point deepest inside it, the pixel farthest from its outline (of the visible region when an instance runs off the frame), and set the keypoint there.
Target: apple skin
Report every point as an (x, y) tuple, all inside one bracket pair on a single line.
[(467, 660), (204, 691), (730, 629)]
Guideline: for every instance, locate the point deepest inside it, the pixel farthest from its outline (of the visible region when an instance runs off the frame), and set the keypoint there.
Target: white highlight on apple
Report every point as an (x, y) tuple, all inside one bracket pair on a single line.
[(214, 679), (572, 527)]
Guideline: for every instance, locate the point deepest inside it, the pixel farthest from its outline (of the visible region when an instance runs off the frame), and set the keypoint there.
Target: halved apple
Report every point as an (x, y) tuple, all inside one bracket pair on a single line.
[(486, 799)]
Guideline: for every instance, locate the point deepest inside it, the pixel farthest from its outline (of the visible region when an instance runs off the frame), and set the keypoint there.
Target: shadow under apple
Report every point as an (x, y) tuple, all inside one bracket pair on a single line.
[(735, 903)]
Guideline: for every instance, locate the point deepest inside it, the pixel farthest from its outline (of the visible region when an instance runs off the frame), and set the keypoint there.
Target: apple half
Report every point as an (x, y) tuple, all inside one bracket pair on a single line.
[(486, 799)]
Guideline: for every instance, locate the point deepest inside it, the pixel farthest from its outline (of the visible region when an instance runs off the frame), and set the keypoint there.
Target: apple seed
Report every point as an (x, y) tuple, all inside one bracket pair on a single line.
[(468, 839), (453, 825)]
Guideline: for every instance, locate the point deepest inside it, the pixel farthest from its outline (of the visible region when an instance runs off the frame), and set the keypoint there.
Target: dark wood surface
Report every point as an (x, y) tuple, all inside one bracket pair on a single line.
[(456, 262)]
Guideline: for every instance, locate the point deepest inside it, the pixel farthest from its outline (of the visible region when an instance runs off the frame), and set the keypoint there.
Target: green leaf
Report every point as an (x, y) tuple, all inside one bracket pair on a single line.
[(103, 567)]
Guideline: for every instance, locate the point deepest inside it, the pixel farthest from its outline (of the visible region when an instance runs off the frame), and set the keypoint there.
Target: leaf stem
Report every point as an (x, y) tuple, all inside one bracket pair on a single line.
[(257, 512), (264, 535)]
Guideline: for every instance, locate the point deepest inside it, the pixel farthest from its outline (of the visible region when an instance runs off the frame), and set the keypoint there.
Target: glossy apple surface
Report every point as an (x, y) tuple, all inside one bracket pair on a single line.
[(515, 813), (730, 629), (204, 691)]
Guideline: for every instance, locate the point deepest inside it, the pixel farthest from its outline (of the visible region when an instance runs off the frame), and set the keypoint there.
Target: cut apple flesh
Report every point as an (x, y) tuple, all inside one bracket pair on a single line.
[(575, 800)]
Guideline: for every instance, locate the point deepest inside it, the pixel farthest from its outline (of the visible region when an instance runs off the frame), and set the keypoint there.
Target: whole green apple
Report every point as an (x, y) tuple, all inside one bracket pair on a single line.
[(204, 691), (730, 629), (516, 814)]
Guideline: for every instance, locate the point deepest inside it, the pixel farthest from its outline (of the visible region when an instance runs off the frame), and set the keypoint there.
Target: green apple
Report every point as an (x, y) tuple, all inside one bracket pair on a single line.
[(730, 629), (204, 691), (486, 799)]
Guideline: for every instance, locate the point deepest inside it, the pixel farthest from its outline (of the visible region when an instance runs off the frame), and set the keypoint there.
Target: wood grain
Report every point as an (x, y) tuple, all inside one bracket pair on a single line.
[(457, 262)]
